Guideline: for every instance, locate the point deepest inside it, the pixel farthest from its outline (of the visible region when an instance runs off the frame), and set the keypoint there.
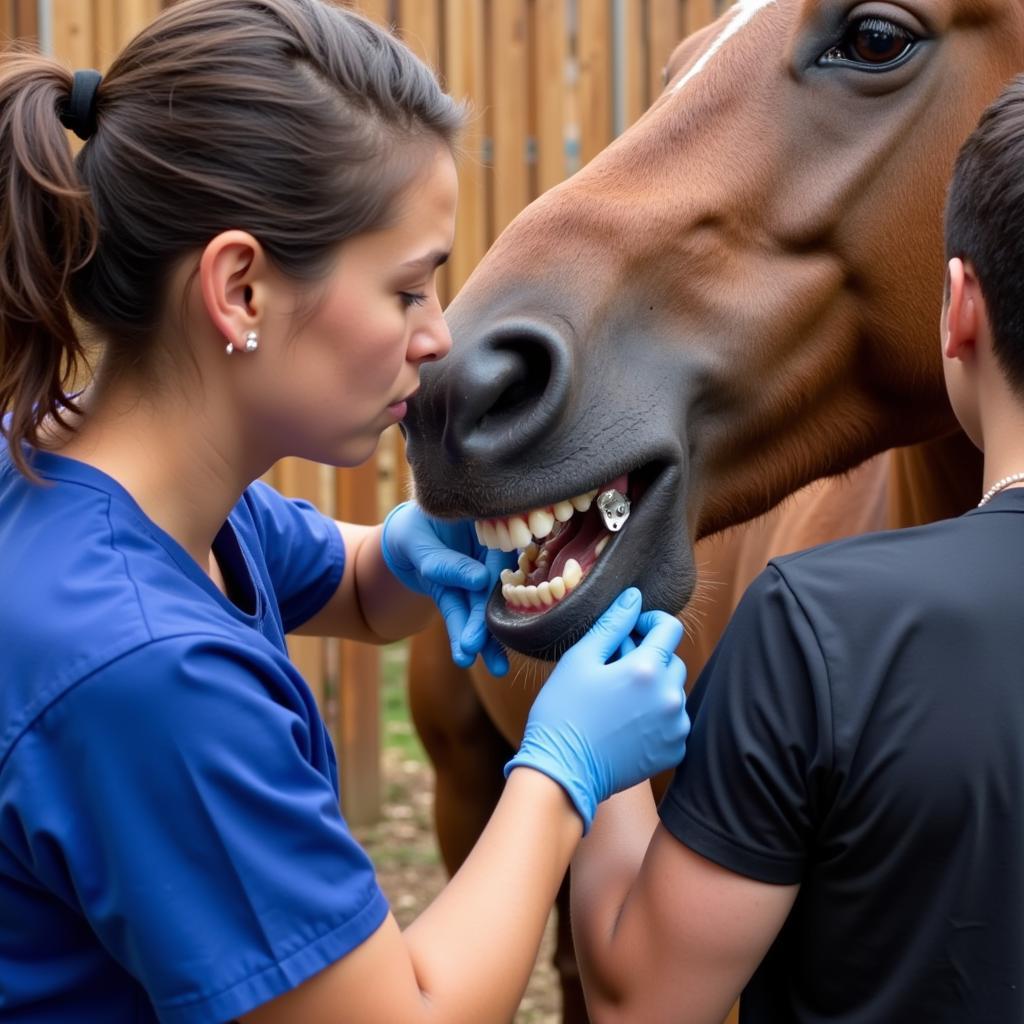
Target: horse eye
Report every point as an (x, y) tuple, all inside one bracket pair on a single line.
[(871, 42)]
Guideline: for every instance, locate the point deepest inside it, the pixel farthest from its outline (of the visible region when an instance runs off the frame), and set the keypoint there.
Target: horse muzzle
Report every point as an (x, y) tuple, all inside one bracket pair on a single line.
[(546, 447)]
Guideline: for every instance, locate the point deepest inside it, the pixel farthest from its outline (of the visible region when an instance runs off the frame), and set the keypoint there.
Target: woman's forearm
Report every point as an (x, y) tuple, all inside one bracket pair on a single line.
[(473, 949), (370, 604)]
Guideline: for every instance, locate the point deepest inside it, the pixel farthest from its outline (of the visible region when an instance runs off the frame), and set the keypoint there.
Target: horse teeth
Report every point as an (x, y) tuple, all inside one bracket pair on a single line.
[(542, 595), (519, 533), (504, 537), (572, 573), (563, 511), (541, 523), (601, 545)]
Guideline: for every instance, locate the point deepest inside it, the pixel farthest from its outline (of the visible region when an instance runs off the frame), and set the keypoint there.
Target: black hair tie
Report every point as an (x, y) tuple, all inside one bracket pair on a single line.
[(79, 112)]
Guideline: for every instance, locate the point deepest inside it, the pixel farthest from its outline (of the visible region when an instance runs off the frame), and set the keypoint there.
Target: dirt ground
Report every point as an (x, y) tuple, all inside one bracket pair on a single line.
[(405, 853)]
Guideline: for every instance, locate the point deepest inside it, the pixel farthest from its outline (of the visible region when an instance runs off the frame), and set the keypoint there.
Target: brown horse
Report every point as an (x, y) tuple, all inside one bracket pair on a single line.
[(737, 297)]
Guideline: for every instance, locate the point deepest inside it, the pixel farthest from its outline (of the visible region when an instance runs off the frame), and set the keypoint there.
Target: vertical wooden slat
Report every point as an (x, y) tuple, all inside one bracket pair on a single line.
[(509, 92), (73, 32), (664, 32), (8, 22), (549, 57), (594, 51), (698, 14), (419, 24), (357, 727), (638, 96), (26, 19), (106, 38), (134, 15), (465, 80), (403, 473)]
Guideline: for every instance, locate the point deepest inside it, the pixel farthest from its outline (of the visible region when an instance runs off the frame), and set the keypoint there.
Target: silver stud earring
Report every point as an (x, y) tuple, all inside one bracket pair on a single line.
[(251, 340)]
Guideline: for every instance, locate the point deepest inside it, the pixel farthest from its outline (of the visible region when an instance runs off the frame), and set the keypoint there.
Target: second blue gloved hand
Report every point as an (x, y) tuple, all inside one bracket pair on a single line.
[(598, 727), (445, 560)]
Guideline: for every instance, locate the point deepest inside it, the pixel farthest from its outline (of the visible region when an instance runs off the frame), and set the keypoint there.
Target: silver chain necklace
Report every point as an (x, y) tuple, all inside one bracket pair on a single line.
[(998, 486)]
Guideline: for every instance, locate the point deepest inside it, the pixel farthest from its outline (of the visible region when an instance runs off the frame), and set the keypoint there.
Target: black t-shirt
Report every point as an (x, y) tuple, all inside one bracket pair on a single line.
[(860, 730)]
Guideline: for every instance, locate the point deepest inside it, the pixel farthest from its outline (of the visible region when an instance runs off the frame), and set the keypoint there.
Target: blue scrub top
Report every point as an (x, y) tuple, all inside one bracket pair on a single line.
[(171, 846)]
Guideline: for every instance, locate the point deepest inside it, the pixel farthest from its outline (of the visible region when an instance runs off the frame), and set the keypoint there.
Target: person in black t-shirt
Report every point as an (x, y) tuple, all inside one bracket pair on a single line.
[(845, 839)]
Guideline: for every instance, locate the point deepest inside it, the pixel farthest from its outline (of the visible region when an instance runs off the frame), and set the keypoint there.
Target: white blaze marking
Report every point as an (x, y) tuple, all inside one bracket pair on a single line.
[(744, 11)]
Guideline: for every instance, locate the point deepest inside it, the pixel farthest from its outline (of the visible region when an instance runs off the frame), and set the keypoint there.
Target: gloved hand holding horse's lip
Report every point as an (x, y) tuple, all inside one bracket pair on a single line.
[(444, 559), (599, 725)]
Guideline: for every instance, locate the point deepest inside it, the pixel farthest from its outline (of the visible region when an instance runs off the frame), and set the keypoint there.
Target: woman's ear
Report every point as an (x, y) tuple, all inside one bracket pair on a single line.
[(232, 278)]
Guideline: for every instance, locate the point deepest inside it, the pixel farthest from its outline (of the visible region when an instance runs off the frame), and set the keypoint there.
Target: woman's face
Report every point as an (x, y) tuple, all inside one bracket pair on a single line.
[(336, 381)]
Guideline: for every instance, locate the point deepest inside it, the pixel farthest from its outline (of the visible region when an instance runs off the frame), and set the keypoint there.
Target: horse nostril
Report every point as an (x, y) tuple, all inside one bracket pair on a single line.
[(506, 391)]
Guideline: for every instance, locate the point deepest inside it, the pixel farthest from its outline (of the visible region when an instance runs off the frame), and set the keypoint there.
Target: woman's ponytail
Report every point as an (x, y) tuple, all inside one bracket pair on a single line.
[(47, 231)]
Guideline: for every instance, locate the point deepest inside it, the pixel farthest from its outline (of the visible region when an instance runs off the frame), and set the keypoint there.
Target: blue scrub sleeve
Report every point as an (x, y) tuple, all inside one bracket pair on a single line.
[(182, 798), (304, 552), (759, 758)]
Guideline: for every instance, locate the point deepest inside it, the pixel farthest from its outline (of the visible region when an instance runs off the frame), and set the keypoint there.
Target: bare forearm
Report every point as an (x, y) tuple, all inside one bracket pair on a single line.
[(473, 949), (467, 958), (604, 869), (370, 605), (390, 609)]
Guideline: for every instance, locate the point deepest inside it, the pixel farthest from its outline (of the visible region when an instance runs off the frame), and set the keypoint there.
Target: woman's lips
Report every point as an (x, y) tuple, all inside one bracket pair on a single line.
[(398, 409)]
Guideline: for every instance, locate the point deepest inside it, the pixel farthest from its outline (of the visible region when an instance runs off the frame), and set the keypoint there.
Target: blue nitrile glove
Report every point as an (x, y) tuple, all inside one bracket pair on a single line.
[(598, 727), (444, 559)]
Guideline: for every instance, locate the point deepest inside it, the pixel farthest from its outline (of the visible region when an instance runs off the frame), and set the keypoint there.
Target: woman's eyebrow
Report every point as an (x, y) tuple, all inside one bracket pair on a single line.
[(431, 259)]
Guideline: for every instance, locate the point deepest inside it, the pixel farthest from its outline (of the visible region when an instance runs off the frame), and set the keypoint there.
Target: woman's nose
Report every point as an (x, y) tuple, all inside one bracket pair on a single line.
[(430, 341)]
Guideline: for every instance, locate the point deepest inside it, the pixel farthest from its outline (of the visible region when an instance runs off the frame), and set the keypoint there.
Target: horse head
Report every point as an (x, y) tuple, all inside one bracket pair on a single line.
[(738, 296)]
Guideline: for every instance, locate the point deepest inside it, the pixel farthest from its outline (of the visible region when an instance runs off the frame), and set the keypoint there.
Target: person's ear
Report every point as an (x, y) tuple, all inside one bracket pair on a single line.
[(964, 308), (232, 272)]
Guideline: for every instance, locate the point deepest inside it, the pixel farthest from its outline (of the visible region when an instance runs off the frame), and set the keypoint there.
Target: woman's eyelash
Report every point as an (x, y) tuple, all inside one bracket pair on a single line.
[(413, 298)]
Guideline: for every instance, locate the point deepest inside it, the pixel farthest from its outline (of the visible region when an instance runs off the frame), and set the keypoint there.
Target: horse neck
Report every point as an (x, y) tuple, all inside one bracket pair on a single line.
[(933, 480)]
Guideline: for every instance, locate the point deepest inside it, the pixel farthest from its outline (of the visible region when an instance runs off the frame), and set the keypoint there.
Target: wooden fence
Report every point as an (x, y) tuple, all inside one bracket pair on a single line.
[(550, 83)]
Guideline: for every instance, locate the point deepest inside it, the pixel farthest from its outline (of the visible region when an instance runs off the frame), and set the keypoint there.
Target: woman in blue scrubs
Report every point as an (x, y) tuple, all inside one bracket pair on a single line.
[(244, 252)]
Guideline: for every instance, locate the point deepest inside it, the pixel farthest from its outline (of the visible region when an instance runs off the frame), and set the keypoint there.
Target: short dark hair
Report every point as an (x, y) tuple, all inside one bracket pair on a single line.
[(295, 120), (984, 221)]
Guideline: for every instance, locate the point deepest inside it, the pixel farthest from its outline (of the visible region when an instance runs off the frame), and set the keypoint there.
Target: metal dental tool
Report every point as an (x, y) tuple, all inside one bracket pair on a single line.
[(614, 509)]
